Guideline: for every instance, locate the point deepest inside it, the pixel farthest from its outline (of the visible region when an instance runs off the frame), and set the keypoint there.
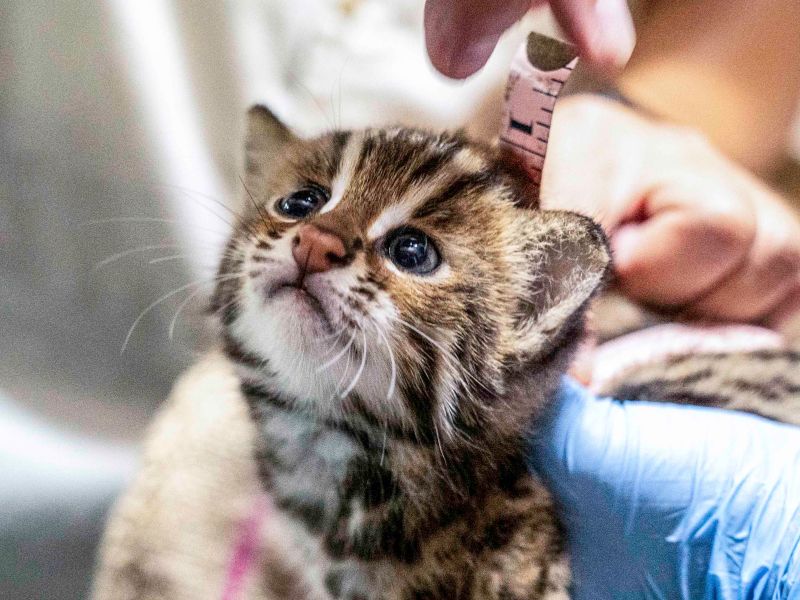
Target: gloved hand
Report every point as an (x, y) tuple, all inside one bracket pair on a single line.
[(667, 501)]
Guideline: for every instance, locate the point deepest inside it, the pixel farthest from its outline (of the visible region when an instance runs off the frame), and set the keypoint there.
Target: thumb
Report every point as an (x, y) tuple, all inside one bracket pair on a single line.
[(602, 29), (677, 251)]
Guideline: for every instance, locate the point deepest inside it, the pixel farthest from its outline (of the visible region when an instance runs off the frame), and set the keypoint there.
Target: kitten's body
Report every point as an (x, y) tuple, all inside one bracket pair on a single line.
[(391, 401), (381, 520), (408, 471)]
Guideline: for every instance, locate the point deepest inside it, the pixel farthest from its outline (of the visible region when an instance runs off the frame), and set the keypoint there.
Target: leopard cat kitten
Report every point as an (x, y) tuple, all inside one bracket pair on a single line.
[(397, 321), (399, 316)]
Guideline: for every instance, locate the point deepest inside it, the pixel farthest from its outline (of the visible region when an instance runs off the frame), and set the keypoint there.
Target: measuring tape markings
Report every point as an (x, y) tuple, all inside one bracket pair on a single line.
[(538, 73)]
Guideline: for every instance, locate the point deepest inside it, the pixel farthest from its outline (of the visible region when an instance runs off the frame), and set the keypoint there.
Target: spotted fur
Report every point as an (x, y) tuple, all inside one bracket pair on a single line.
[(391, 428)]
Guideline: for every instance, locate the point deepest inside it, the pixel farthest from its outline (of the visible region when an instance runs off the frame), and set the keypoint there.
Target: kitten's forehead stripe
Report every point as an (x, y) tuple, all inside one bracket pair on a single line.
[(469, 160), (338, 143), (418, 178), (456, 188), (350, 153), (403, 209), (434, 161), (392, 217)]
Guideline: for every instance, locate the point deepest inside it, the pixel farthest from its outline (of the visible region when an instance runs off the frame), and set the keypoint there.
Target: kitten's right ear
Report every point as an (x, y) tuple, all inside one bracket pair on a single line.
[(566, 260), (265, 139)]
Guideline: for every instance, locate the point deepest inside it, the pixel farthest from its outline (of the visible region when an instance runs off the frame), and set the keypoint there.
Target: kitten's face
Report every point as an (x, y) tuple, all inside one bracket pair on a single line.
[(392, 272)]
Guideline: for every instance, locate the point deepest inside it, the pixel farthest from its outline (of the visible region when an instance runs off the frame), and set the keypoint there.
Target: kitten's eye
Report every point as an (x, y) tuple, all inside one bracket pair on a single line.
[(302, 203), (412, 251)]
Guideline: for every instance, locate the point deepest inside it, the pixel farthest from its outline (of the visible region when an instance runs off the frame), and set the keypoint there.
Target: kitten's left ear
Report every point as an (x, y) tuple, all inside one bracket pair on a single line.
[(265, 139), (567, 259)]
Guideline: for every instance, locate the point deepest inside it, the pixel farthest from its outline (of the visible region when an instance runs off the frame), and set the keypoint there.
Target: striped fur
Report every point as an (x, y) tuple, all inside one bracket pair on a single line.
[(390, 428), (764, 382), (390, 409)]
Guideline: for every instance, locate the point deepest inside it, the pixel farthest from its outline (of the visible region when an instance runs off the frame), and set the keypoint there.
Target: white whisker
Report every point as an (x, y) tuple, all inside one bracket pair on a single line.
[(334, 343), (185, 192), (439, 442), (215, 312), (148, 220), (340, 383), (446, 356), (167, 258), (152, 305), (128, 220), (182, 305), (338, 356), (360, 368), (226, 253), (130, 251), (392, 362), (426, 336)]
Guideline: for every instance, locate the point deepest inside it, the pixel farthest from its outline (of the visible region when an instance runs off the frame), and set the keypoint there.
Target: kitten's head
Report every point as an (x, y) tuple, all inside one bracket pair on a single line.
[(398, 276)]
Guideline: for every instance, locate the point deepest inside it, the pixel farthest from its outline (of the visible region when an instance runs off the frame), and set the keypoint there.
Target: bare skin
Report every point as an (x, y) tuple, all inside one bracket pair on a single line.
[(691, 227), (461, 34)]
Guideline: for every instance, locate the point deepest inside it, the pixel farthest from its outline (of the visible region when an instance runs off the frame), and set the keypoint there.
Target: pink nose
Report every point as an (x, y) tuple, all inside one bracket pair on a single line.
[(315, 250)]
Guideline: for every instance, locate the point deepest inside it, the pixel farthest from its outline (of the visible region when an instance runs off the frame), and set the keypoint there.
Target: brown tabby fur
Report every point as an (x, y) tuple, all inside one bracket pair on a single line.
[(405, 486)]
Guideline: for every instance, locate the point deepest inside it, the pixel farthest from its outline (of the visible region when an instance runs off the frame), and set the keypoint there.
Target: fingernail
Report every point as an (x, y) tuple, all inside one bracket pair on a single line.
[(616, 35)]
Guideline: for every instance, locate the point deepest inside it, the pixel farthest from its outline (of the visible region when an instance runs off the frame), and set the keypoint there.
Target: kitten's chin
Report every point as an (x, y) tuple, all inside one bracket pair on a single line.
[(287, 323), (302, 308), (289, 333)]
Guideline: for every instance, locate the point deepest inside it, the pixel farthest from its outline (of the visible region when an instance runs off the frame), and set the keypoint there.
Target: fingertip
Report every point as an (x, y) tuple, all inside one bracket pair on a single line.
[(461, 59), (460, 35), (625, 244), (785, 316), (675, 257), (615, 37), (644, 268), (449, 53), (603, 31)]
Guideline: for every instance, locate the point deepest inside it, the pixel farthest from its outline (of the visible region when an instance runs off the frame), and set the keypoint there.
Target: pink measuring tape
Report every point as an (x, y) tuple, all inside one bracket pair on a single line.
[(539, 71)]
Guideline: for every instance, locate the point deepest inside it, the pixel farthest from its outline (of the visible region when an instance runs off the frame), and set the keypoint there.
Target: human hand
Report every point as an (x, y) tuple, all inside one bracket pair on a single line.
[(690, 230), (667, 501), (461, 34)]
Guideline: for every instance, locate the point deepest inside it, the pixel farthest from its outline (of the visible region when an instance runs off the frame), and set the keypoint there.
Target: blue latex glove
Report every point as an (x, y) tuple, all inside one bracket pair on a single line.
[(666, 501)]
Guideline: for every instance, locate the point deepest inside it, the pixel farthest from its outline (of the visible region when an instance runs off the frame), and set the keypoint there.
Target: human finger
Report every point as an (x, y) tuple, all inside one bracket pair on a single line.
[(785, 316), (460, 35), (769, 274), (602, 30), (679, 249)]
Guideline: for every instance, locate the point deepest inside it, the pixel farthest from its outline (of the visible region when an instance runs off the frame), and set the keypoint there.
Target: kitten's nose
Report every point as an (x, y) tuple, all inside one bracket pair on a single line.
[(315, 250)]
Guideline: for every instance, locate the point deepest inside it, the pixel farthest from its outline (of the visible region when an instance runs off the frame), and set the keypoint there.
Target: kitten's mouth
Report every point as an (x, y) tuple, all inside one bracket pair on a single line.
[(301, 294)]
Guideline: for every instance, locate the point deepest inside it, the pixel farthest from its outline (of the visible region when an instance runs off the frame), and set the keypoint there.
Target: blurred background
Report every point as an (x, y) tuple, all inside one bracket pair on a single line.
[(120, 128), (120, 132)]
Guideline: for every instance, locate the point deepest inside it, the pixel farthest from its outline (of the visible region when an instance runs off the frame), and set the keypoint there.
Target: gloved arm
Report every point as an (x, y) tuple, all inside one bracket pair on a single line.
[(666, 501)]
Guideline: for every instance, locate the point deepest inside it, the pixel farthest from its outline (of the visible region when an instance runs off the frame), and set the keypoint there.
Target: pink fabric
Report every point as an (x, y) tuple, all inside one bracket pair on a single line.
[(247, 549)]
